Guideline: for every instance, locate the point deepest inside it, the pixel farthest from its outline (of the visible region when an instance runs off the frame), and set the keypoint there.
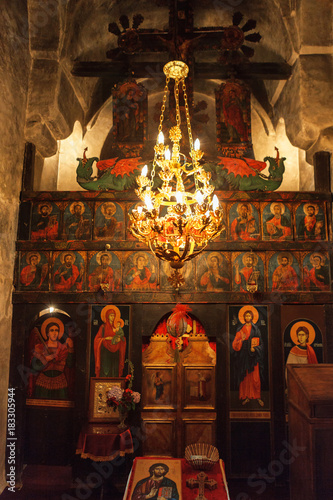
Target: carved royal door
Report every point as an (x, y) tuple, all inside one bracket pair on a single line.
[(178, 392)]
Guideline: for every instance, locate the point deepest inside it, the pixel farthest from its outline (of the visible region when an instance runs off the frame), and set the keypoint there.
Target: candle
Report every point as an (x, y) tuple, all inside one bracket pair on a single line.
[(148, 202), (160, 138)]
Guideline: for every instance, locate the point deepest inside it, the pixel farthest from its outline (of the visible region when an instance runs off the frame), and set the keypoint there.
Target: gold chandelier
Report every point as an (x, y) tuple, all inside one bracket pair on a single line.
[(190, 220)]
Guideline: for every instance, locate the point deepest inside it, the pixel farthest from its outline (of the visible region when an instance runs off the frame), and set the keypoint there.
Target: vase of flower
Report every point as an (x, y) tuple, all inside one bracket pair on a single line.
[(123, 400), (123, 413)]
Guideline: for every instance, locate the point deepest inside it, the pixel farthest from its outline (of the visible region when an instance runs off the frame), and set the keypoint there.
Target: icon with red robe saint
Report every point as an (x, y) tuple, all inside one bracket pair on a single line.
[(244, 222), (248, 269), (104, 272), (316, 276), (248, 356), (234, 114), (52, 362), (34, 271), (68, 272), (283, 273), (140, 272), (45, 221), (110, 344)]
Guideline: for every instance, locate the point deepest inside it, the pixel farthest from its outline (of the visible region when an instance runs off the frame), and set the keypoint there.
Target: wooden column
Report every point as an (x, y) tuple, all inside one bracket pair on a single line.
[(322, 174), (28, 167)]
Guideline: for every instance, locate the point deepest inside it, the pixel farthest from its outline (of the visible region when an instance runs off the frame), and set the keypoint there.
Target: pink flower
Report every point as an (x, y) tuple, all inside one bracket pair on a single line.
[(115, 392), (136, 397)]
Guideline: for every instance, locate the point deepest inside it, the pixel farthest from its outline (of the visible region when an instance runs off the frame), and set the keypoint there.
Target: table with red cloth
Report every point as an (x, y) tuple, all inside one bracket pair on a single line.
[(217, 473), (104, 442)]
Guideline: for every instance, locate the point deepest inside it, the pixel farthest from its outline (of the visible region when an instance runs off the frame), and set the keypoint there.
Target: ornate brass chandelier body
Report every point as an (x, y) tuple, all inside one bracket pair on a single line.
[(192, 219)]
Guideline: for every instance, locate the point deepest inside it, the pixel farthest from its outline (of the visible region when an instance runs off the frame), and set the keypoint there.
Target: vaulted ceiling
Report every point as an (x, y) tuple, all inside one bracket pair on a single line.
[(64, 32)]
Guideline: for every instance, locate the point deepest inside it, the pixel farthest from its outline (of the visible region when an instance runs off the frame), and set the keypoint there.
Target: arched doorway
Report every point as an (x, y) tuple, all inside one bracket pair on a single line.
[(178, 388)]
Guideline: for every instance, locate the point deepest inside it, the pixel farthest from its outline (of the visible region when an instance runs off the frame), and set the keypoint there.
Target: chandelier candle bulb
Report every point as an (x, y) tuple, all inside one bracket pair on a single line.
[(196, 145), (199, 197), (160, 138), (215, 202), (144, 171), (167, 154), (179, 197), (148, 202)]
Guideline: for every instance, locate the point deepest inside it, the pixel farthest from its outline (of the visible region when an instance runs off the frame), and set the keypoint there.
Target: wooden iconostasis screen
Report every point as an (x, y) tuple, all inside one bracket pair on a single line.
[(271, 246), (275, 254)]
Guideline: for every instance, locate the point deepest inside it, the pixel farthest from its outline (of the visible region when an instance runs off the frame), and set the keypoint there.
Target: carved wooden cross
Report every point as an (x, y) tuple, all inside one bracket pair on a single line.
[(180, 41), (202, 481)]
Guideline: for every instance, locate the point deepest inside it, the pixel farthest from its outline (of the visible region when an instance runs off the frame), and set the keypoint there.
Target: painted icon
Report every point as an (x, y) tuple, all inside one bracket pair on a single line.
[(213, 272), (276, 222), (248, 269), (68, 272), (34, 271), (316, 272), (283, 273), (310, 222), (109, 221), (104, 272), (77, 220), (45, 221), (244, 222)]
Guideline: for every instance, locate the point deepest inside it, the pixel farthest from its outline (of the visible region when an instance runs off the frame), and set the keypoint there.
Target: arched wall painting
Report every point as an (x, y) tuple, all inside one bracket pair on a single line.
[(292, 340), (50, 361), (311, 320), (292, 315), (249, 358), (110, 327), (233, 117)]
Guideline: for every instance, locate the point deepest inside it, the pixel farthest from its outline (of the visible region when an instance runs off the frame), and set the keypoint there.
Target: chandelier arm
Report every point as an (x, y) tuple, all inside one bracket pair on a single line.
[(184, 253), (195, 254)]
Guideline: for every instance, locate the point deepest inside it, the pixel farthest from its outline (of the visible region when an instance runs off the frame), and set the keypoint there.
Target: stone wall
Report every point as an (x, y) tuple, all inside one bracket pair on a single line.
[(14, 69)]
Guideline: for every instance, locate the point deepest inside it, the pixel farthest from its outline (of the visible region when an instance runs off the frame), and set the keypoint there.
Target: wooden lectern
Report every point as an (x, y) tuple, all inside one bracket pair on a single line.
[(310, 397)]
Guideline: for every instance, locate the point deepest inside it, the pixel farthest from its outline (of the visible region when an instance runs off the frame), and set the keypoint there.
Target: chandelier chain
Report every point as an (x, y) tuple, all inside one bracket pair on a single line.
[(176, 92), (189, 131), (165, 94), (166, 90)]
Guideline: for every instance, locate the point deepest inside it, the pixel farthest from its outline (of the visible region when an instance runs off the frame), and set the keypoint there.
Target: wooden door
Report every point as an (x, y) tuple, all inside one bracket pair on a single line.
[(178, 394)]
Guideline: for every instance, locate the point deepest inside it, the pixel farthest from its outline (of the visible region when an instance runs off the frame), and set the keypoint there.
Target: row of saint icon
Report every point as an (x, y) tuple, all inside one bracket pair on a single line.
[(72, 271), (244, 221)]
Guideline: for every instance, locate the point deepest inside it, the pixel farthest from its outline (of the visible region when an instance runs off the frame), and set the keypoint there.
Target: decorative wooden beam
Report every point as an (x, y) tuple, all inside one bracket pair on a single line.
[(119, 69), (244, 71)]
